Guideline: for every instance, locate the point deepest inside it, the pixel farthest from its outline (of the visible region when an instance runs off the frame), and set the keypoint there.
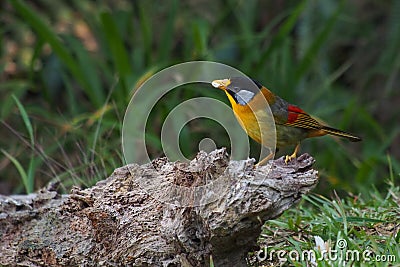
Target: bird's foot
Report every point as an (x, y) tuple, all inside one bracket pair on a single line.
[(289, 158), (294, 155)]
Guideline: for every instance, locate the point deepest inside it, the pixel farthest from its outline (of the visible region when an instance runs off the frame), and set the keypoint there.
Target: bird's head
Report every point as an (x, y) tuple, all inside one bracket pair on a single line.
[(241, 89)]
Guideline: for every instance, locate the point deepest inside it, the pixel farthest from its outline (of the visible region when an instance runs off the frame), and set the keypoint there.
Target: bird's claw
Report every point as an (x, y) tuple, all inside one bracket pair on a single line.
[(289, 158), (294, 155)]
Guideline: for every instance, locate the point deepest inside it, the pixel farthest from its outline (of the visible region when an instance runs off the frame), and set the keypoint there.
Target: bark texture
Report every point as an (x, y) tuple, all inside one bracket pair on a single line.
[(118, 223)]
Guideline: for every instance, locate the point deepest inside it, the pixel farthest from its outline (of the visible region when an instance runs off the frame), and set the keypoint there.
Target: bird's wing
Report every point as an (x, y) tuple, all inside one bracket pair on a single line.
[(298, 118), (287, 114)]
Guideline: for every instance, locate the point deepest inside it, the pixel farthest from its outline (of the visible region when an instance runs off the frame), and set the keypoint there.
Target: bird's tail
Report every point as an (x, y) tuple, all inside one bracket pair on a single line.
[(340, 133)]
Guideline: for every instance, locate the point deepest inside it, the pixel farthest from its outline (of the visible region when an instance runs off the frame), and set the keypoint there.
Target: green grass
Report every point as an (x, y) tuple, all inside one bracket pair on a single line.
[(27, 177), (355, 231)]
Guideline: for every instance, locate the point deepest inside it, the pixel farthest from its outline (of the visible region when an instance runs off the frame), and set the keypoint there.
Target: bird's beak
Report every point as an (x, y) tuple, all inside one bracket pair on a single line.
[(221, 84)]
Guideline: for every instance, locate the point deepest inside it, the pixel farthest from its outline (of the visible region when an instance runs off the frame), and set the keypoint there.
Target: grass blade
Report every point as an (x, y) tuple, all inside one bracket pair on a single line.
[(311, 53), (115, 44), (286, 28), (168, 37), (25, 118), (27, 184), (15, 88)]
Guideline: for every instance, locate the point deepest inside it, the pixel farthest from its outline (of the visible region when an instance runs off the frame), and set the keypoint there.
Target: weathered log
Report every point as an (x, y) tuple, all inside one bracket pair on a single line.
[(118, 223)]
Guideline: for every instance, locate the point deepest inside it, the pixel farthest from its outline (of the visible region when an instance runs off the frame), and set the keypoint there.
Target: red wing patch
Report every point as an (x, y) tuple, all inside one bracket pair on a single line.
[(293, 113), (298, 118), (295, 109)]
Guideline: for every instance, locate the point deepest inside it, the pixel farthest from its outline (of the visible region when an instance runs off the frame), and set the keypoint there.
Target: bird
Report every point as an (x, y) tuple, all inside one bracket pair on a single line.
[(250, 100)]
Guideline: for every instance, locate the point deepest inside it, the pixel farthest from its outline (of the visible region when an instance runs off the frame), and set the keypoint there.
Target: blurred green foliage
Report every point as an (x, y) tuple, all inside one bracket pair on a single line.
[(69, 69)]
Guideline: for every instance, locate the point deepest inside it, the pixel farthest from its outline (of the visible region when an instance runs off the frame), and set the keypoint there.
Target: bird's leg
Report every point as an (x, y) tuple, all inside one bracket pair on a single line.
[(264, 160), (294, 155)]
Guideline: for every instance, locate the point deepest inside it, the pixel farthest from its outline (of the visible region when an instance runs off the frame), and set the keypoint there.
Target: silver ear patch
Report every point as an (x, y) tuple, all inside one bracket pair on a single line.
[(243, 97)]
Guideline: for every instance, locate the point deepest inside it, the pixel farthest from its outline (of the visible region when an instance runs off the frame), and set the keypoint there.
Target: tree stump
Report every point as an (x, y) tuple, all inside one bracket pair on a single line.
[(117, 223)]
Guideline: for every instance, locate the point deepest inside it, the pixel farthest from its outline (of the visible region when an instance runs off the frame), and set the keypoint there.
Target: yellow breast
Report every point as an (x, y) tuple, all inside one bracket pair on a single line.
[(255, 119)]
